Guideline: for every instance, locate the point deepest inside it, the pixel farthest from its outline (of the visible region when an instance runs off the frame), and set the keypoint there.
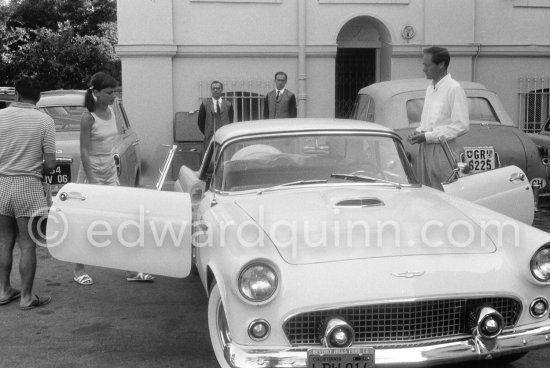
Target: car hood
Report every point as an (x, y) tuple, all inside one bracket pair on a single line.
[(333, 224)]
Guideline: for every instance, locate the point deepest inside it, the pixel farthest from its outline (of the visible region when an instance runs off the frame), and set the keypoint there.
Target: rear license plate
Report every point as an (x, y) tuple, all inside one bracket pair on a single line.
[(60, 175), (341, 358), (480, 158)]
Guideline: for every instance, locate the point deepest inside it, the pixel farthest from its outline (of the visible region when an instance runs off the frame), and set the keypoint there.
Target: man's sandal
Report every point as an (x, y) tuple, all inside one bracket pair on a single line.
[(140, 276), (37, 302), (16, 295), (84, 280)]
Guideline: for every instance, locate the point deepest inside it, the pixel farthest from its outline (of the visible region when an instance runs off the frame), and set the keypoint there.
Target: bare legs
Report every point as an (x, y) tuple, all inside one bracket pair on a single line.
[(9, 229), (8, 233)]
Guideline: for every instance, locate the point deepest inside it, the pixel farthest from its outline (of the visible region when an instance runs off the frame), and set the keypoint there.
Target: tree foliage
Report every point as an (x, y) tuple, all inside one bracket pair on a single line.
[(60, 42)]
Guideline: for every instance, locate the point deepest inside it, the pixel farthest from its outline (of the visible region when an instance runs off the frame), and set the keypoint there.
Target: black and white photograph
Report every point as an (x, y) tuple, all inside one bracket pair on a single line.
[(274, 183)]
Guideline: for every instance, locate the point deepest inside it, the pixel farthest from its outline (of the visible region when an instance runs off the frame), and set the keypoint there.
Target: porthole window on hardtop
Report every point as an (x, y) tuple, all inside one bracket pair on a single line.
[(480, 110), (364, 108)]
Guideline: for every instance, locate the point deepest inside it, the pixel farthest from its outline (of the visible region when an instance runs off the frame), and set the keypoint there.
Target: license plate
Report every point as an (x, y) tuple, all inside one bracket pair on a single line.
[(60, 175), (480, 158), (340, 358)]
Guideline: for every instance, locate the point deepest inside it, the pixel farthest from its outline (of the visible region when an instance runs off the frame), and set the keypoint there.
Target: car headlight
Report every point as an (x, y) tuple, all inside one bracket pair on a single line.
[(540, 264), (257, 282)]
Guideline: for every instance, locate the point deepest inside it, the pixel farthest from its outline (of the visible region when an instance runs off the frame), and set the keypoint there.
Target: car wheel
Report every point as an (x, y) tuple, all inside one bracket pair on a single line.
[(217, 325)]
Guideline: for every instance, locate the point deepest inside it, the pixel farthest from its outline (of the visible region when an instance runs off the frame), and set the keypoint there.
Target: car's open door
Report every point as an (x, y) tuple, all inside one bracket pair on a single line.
[(505, 190), (119, 227)]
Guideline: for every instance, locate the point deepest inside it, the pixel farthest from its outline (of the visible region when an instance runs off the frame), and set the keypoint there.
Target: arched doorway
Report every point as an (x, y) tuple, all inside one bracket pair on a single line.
[(363, 57)]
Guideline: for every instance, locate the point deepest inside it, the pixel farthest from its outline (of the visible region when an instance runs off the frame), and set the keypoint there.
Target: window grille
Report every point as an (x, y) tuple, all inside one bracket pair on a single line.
[(247, 97), (534, 103)]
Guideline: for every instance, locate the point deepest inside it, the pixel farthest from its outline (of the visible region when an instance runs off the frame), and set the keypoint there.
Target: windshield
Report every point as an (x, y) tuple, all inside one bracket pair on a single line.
[(66, 118), (271, 161)]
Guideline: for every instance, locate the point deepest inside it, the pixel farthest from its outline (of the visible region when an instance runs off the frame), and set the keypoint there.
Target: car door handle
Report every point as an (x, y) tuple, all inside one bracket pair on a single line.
[(517, 176), (136, 142), (71, 195)]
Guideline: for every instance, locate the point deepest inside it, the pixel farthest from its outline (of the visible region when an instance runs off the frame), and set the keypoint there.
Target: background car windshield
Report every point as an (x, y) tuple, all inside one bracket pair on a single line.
[(480, 109), (364, 108), (265, 162), (66, 118)]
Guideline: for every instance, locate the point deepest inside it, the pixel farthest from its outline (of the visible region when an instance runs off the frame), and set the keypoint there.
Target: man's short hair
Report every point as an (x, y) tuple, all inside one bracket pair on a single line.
[(28, 88), (439, 54), (216, 82), (281, 73)]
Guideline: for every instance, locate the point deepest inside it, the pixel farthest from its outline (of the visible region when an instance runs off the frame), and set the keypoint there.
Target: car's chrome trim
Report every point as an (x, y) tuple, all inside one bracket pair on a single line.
[(408, 300), (241, 356), (533, 303)]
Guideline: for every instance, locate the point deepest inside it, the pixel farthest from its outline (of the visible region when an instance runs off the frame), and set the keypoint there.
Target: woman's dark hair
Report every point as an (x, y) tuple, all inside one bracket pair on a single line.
[(98, 82), (28, 88)]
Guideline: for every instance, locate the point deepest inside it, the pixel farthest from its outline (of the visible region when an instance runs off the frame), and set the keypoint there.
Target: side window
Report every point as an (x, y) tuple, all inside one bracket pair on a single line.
[(537, 107), (481, 110), (364, 108), (414, 110)]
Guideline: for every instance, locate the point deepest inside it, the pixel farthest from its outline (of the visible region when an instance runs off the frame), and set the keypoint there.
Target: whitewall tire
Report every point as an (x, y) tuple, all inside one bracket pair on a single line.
[(217, 325)]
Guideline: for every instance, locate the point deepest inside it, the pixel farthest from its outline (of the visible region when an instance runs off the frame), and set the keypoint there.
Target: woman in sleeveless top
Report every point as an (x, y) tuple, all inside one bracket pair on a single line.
[(98, 132)]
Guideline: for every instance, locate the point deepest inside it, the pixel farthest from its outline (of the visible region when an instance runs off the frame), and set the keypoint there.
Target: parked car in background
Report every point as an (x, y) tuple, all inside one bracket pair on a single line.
[(542, 139), (7, 96), (66, 108), (317, 247), (493, 140)]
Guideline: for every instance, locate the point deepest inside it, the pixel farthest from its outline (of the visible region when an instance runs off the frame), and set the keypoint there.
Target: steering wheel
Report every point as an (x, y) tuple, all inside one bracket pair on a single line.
[(368, 169)]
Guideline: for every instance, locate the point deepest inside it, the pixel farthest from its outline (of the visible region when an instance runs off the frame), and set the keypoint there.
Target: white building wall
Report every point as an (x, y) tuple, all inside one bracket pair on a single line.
[(169, 47)]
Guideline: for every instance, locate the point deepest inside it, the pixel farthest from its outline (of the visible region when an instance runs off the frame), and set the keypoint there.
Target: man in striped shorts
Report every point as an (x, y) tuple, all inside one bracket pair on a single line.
[(27, 150)]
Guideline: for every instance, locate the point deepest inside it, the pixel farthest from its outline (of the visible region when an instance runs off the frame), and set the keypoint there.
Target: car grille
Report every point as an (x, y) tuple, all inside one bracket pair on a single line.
[(401, 322)]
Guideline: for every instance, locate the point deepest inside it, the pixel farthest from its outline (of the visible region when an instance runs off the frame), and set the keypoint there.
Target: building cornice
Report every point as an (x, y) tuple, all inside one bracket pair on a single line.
[(145, 50), (191, 51), (414, 50), (399, 50)]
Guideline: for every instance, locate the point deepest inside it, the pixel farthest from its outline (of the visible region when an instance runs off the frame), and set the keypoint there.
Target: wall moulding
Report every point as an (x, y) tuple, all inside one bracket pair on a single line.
[(411, 50), (254, 51), (146, 50), (532, 3), (382, 2), (237, 1)]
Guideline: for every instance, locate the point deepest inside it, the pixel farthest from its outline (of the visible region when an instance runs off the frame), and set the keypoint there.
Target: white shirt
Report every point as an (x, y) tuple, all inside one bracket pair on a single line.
[(216, 106), (445, 113)]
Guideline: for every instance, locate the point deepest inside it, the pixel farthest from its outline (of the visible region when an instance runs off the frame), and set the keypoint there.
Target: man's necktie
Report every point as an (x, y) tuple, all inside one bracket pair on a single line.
[(278, 93), (218, 110)]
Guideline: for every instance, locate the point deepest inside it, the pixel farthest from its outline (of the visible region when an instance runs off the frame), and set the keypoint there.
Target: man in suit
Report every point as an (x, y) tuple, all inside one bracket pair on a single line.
[(280, 103), (214, 113)]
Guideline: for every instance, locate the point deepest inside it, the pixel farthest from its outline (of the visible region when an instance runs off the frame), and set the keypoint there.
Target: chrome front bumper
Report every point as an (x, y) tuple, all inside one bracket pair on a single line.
[(421, 356)]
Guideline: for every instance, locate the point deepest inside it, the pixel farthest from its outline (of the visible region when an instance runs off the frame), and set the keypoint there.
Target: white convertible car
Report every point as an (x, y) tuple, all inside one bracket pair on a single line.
[(318, 248)]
